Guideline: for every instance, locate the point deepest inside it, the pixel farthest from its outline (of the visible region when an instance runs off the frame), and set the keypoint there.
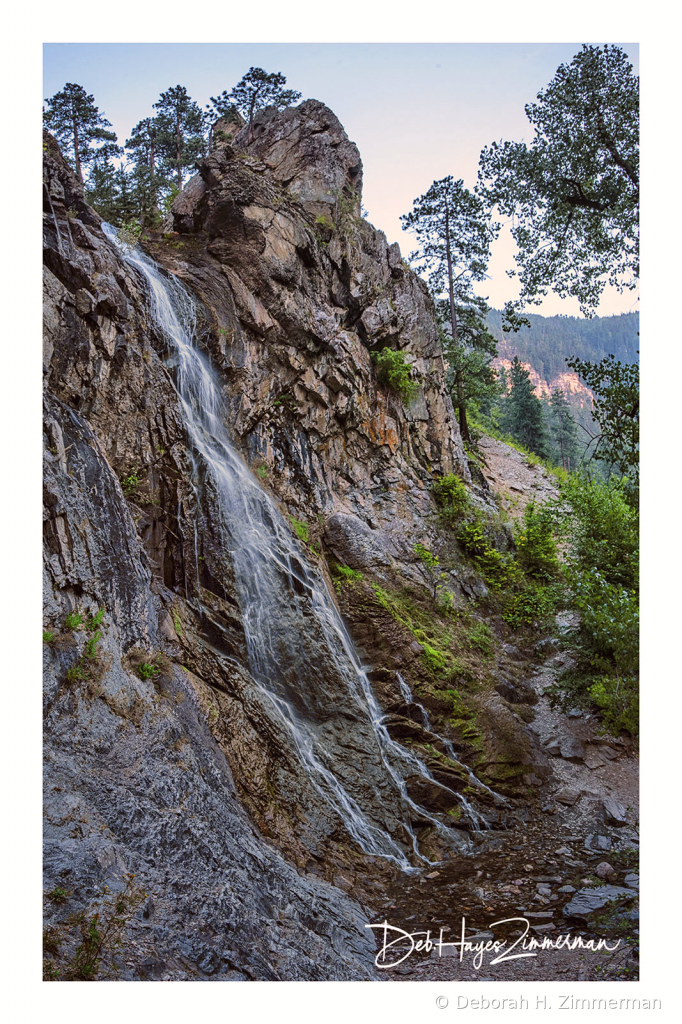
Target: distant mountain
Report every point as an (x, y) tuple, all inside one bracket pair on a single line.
[(544, 347)]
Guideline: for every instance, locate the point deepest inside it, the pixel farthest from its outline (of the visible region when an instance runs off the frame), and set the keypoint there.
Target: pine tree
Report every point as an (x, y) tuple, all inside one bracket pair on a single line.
[(454, 232), (222, 112), (77, 125), (522, 414), (180, 126), (111, 192), (573, 191), (563, 431), (147, 179), (259, 89)]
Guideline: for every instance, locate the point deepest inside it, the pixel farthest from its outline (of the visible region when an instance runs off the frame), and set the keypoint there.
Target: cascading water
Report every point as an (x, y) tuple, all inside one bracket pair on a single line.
[(295, 637)]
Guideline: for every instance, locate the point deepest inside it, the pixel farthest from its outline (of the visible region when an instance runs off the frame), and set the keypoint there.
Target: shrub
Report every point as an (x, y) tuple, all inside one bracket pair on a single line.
[(600, 528), (499, 571), (147, 670), (73, 620), (535, 547), (48, 637), (452, 497), (394, 372)]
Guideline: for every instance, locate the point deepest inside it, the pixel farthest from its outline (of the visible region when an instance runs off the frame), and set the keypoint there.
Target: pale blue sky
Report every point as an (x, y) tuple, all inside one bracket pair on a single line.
[(416, 111)]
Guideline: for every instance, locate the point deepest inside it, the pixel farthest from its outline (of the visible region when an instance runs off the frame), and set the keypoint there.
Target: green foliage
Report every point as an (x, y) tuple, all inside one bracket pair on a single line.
[(79, 128), (256, 90), (435, 659), (302, 530), (96, 620), (498, 570), (532, 604), (101, 934), (394, 372), (344, 576), (48, 637), (548, 340), (563, 431), (129, 235), (130, 482), (522, 413), (573, 192), (148, 670), (325, 221), (262, 472), (454, 232), (616, 410), (73, 620), (452, 497), (600, 529), (535, 547), (480, 637), (179, 131)]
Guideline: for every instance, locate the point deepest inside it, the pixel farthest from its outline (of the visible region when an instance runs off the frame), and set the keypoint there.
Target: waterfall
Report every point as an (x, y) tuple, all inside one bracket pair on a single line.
[(296, 639)]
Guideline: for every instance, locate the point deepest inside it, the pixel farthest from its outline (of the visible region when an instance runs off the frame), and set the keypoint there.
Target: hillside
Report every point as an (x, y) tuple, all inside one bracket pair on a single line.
[(544, 347)]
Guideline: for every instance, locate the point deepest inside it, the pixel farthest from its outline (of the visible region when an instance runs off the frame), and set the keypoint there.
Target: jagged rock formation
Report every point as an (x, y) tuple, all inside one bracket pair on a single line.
[(180, 772)]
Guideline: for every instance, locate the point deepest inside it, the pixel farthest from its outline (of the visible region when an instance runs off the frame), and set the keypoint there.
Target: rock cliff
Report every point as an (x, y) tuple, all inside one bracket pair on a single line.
[(165, 755)]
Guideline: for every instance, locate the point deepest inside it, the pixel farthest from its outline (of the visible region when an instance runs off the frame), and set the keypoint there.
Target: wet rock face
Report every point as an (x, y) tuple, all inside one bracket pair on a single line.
[(142, 765)]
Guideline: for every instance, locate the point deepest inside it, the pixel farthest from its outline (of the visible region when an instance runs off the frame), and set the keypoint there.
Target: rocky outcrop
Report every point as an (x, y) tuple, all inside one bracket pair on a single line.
[(302, 290), (165, 758)]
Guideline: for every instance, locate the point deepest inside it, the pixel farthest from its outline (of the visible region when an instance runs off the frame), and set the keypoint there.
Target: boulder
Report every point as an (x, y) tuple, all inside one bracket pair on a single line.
[(587, 902)]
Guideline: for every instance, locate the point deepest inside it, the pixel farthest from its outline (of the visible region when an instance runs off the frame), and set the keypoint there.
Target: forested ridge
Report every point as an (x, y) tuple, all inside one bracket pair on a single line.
[(550, 340)]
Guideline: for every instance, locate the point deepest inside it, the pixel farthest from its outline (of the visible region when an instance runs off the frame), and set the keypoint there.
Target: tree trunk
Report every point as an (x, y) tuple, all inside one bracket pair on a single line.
[(178, 150), (461, 405), (76, 143), (152, 173), (251, 111)]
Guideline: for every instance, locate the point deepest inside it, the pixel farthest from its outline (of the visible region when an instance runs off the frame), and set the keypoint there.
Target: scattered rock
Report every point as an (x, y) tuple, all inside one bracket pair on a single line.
[(594, 760), (572, 749), (567, 795), (567, 888), (604, 870), (595, 842), (614, 812), (632, 881), (563, 851), (587, 901)]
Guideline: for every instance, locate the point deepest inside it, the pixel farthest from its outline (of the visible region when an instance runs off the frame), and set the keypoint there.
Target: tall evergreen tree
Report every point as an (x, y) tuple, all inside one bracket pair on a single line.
[(563, 430), (454, 232), (180, 131), (76, 123), (573, 191), (222, 111), (258, 89), (110, 191), (522, 415)]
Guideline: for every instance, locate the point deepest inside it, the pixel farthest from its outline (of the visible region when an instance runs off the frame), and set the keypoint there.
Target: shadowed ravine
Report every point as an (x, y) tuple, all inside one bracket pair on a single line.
[(300, 653)]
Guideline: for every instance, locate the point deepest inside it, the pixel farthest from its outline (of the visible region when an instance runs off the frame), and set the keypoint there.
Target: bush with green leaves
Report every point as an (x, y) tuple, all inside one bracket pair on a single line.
[(535, 546), (452, 497), (599, 528), (499, 571), (393, 372)]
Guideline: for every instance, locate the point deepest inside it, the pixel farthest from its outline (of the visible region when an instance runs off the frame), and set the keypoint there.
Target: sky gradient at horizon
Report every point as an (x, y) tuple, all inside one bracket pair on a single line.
[(416, 111)]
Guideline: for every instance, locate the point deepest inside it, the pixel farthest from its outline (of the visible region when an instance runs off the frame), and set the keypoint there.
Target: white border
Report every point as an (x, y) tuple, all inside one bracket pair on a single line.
[(26, 29)]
